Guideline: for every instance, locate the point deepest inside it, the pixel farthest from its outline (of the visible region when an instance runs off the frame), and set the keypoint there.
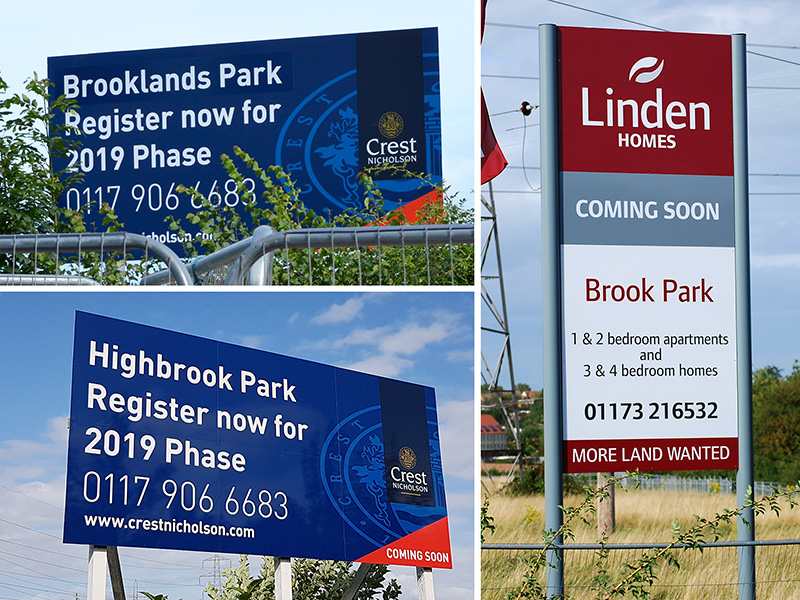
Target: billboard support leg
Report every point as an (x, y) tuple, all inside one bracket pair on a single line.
[(357, 582), (283, 578), (115, 572), (425, 583), (98, 564)]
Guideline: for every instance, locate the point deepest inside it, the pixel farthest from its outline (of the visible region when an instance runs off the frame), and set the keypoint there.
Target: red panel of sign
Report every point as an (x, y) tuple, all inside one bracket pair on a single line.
[(645, 102), (685, 454)]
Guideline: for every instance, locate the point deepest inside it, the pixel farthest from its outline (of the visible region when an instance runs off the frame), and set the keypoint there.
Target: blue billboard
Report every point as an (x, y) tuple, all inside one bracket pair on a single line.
[(323, 108), (187, 443)]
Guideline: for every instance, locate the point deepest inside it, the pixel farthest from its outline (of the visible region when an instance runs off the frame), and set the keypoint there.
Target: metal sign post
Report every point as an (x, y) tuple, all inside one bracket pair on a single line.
[(551, 301), (744, 477)]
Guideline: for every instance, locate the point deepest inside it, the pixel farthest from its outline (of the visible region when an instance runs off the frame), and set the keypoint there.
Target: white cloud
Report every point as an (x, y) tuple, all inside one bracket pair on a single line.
[(359, 337), (457, 356), (775, 261), (457, 430), (385, 365), (413, 337), (395, 345), (341, 313), (252, 341)]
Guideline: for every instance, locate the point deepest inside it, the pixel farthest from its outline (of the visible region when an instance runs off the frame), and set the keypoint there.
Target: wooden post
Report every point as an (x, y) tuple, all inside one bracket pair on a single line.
[(606, 518)]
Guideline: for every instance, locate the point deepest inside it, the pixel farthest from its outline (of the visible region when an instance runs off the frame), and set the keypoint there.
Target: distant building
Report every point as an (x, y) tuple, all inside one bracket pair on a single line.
[(494, 439)]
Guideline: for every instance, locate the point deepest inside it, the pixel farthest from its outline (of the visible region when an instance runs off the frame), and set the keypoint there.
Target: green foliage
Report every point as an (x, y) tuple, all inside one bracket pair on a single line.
[(641, 573), (28, 185), (281, 208), (532, 481), (531, 423), (311, 580), (155, 596), (487, 521), (776, 425)]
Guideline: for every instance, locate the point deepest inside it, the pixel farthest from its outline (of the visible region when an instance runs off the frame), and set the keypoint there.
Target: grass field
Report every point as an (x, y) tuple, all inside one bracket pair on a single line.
[(646, 517)]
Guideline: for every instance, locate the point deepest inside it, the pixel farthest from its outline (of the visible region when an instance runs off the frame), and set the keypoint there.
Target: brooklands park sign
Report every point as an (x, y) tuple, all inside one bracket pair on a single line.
[(322, 108), (187, 443)]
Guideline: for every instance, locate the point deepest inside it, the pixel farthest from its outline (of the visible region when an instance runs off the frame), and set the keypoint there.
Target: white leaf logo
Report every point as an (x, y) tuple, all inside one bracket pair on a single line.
[(644, 71)]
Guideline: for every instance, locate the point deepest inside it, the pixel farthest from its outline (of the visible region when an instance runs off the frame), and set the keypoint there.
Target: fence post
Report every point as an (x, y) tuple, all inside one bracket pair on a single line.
[(606, 507)]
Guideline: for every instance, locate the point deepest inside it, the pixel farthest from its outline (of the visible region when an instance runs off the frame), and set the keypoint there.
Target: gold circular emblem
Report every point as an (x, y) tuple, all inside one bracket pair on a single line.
[(407, 457), (390, 124)]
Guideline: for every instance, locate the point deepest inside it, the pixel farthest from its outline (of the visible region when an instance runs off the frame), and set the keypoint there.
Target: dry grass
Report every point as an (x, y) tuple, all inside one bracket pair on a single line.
[(646, 517)]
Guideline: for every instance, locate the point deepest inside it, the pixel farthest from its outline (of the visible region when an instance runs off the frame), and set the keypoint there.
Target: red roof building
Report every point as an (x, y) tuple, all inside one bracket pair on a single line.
[(493, 435)]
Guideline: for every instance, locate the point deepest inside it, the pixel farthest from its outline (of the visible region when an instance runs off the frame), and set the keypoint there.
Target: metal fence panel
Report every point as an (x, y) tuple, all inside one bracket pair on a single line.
[(386, 255), (379, 255), (705, 485), (67, 258)]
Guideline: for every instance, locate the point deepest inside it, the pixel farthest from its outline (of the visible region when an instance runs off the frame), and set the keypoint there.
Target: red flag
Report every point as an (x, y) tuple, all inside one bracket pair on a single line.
[(493, 161)]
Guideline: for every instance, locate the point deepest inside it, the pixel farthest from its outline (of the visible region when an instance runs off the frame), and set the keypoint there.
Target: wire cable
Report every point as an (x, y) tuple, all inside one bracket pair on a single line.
[(610, 16), (30, 497)]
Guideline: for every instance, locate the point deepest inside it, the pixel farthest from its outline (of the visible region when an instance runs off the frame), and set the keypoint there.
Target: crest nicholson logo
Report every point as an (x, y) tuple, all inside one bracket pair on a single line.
[(641, 66)]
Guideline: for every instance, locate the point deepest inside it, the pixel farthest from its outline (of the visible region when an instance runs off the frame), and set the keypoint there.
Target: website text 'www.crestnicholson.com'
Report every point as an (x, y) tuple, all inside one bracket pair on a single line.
[(171, 526)]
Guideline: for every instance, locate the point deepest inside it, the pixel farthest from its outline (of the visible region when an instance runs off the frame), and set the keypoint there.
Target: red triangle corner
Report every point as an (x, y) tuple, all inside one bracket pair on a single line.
[(426, 547)]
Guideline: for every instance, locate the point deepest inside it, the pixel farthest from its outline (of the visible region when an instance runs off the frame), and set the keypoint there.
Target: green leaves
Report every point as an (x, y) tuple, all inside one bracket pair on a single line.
[(311, 580), (640, 574), (282, 208)]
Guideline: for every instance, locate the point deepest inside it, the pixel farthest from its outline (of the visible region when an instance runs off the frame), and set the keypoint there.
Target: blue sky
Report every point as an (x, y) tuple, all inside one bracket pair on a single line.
[(422, 337)]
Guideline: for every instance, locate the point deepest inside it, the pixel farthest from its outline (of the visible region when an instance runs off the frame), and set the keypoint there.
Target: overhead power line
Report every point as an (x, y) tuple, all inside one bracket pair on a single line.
[(602, 14), (647, 25), (509, 76), (30, 529), (29, 497)]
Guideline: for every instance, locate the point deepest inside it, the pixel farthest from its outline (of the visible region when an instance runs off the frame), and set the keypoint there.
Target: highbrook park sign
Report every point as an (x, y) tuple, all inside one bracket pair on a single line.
[(187, 443)]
